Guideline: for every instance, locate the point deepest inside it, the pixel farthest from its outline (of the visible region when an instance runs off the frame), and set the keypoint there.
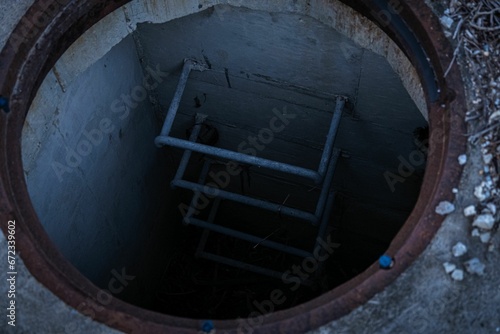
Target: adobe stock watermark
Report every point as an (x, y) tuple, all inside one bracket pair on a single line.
[(234, 14), (277, 297), (384, 16), (121, 109), (251, 146), (221, 10), (90, 308), (407, 166), (31, 27), (351, 53), (417, 158)]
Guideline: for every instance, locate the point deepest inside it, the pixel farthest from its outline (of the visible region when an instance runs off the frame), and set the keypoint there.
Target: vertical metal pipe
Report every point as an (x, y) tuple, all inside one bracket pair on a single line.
[(199, 119), (176, 100), (213, 211), (326, 216), (196, 195), (327, 182), (205, 234), (334, 125), (202, 243), (322, 229)]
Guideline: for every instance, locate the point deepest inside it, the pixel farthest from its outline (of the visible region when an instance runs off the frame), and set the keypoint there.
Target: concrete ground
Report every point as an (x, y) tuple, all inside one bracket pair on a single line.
[(425, 299)]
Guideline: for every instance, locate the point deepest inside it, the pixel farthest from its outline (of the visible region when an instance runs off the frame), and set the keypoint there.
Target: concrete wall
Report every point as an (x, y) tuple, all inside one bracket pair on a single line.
[(261, 61), (90, 163)]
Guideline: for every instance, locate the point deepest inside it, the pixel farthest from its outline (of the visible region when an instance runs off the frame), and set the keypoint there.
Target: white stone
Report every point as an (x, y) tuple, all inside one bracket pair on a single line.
[(446, 21), (487, 158), (454, 190), (449, 267), (457, 275), (485, 237), (484, 221), (445, 208), (492, 207), (491, 248), (462, 159), (470, 211), (474, 266), (475, 233), (479, 192), (459, 249)]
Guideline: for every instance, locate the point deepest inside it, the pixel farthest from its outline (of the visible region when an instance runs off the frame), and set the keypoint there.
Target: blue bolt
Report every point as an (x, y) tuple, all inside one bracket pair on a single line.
[(386, 262), (207, 326), (4, 104)]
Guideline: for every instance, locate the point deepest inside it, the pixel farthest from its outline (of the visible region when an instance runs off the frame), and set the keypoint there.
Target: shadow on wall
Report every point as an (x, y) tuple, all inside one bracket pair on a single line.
[(93, 173)]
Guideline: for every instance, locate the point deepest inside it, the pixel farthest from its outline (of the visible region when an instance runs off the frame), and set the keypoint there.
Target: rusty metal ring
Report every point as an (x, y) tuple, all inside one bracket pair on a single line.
[(29, 55)]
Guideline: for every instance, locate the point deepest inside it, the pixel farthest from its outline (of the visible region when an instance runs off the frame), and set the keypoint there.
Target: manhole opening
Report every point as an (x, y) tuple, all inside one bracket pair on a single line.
[(138, 250), (269, 88)]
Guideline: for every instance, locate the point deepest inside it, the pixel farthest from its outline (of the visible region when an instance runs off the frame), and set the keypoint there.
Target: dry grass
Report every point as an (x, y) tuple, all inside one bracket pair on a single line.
[(477, 34)]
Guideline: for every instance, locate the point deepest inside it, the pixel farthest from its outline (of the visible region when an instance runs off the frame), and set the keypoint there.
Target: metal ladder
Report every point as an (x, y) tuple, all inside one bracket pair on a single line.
[(323, 177)]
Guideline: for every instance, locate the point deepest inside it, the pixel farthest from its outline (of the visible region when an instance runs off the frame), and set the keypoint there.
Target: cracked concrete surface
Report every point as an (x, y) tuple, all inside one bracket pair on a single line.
[(422, 300)]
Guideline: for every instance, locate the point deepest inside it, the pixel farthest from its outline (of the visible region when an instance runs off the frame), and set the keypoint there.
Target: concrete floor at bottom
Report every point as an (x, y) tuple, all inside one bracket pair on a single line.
[(423, 300)]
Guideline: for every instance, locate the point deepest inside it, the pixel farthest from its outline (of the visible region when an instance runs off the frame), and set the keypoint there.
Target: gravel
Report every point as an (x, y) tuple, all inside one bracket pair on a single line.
[(445, 208), (459, 249), (457, 275), (484, 221), (475, 29), (470, 211), (485, 237), (474, 266), (449, 267)]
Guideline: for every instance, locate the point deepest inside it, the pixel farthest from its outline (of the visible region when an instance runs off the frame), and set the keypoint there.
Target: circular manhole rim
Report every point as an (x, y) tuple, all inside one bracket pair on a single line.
[(30, 53)]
